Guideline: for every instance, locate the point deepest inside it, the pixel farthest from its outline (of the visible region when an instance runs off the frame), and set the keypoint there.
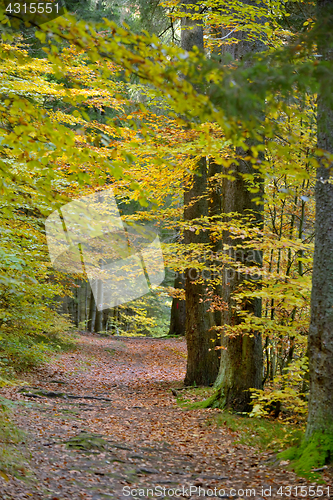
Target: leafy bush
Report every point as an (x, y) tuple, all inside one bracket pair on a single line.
[(286, 394), (30, 326), (21, 352)]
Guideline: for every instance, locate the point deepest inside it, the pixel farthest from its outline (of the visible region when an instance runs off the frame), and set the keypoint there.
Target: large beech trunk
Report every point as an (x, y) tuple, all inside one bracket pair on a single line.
[(202, 359), (241, 355), (320, 419)]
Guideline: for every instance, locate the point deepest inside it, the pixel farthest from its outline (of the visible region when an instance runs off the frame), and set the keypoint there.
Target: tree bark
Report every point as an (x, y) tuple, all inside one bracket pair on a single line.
[(178, 310), (92, 313), (99, 312), (241, 356), (82, 302), (202, 359), (215, 211), (241, 364), (320, 418)]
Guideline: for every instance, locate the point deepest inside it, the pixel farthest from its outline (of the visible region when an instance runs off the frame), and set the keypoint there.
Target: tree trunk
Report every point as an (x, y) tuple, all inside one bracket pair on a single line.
[(87, 302), (106, 314), (202, 358), (92, 313), (215, 211), (77, 302), (320, 419), (178, 310), (241, 356), (99, 311), (82, 303), (241, 365)]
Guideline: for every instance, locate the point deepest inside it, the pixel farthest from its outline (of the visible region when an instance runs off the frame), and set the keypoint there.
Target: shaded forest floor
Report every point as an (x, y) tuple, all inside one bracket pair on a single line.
[(124, 431)]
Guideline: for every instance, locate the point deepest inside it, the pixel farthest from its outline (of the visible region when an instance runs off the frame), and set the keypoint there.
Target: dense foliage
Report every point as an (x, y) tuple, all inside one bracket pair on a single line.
[(94, 103)]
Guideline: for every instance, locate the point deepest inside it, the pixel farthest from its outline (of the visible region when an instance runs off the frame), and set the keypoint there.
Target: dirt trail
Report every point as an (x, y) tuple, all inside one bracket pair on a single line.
[(132, 433)]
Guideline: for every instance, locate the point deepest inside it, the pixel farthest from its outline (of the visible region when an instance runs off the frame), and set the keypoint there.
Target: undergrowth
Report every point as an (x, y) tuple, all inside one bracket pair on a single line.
[(12, 460), (313, 454), (285, 438), (261, 433), (193, 395), (20, 351)]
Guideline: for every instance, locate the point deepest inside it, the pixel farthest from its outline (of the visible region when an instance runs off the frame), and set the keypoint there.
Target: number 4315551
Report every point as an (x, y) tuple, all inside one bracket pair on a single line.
[(32, 8), (304, 491)]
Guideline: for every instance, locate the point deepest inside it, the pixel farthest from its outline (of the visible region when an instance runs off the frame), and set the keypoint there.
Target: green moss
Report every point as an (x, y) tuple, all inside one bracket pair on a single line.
[(207, 403), (187, 398), (214, 401), (313, 453), (86, 441), (260, 433)]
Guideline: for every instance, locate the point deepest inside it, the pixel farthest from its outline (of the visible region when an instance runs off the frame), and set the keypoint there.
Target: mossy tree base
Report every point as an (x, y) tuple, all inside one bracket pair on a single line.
[(314, 453), (238, 401), (216, 400)]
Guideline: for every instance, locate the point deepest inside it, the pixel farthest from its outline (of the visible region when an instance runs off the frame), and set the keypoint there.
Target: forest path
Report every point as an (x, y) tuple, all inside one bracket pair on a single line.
[(138, 437)]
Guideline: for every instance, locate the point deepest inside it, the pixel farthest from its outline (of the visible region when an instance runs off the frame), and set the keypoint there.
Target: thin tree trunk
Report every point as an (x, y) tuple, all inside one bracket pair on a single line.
[(78, 298), (99, 312), (72, 308), (178, 310), (87, 302), (92, 312), (82, 303)]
